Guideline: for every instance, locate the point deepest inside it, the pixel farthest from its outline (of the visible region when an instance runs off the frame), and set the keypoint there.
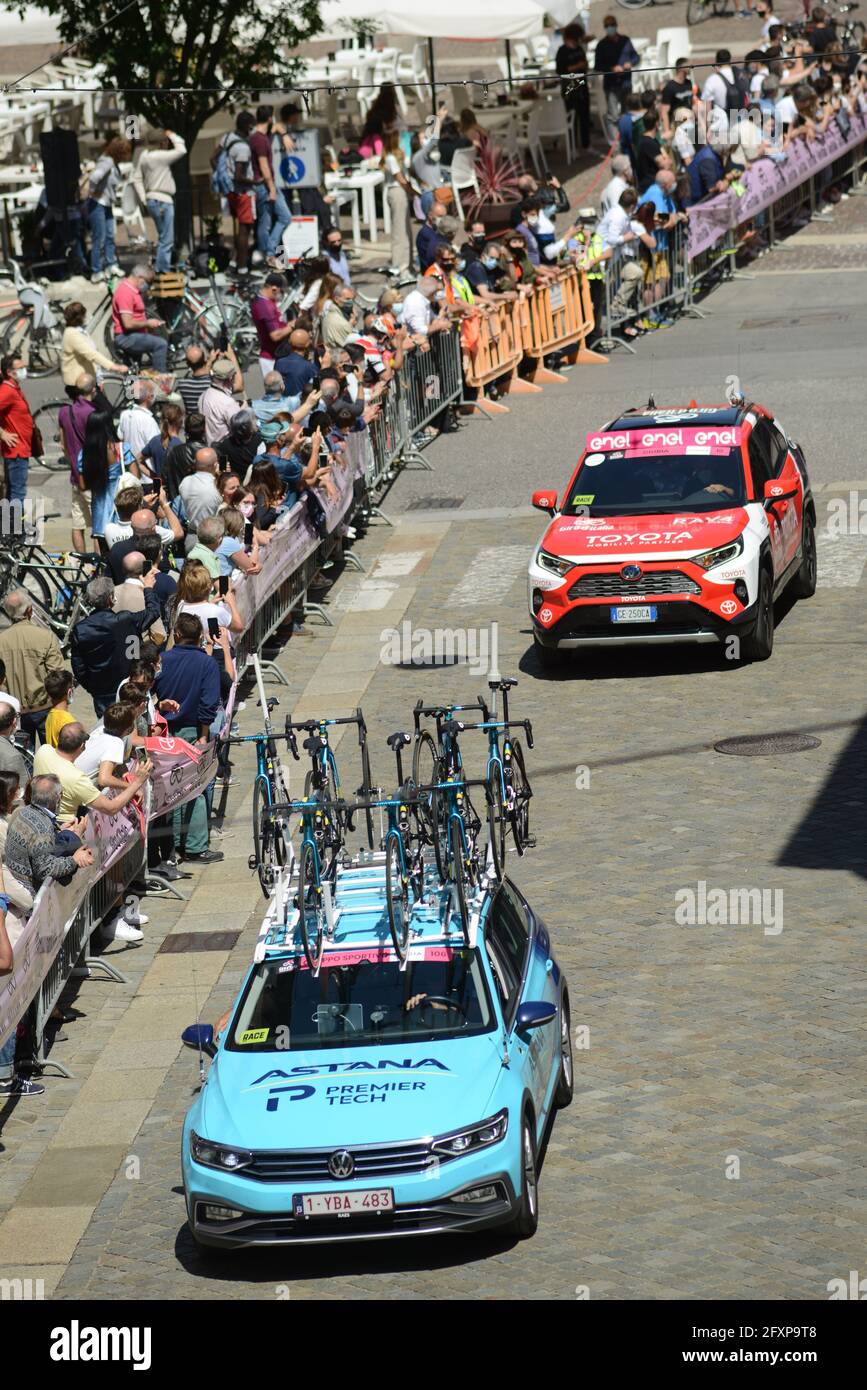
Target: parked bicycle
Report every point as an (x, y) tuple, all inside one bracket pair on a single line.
[(321, 843), (56, 583), (508, 790), (32, 330), (119, 392)]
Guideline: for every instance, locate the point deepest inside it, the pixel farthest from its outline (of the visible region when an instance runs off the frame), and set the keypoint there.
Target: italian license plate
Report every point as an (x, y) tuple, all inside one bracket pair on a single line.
[(367, 1203), (640, 613)]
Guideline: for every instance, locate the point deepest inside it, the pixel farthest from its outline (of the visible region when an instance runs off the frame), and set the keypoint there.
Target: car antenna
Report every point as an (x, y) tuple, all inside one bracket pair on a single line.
[(651, 403)]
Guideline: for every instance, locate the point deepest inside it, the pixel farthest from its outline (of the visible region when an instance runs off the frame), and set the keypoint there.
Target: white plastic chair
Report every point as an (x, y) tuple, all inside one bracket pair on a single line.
[(463, 176), (412, 67), (672, 44), (554, 125)]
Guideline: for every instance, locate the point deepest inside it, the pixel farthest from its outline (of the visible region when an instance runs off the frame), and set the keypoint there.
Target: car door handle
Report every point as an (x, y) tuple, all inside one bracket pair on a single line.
[(549, 966)]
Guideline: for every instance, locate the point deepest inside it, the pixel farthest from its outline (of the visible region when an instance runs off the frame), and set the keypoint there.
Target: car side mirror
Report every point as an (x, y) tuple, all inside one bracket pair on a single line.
[(200, 1037), (545, 501), (775, 492), (533, 1015)]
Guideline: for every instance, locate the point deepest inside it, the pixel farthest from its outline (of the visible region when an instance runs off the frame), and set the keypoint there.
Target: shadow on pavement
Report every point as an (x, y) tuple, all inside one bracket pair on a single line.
[(832, 833)]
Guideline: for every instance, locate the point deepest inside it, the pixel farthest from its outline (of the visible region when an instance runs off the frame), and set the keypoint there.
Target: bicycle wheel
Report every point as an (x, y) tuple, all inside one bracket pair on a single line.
[(263, 836), (522, 791), (497, 820), (697, 11), (366, 789), (457, 871), (53, 448), (397, 896), (15, 576), (425, 771), (311, 913), (633, 4)]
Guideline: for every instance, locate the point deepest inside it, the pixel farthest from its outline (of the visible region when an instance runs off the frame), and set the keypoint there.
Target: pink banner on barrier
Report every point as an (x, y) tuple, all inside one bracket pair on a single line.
[(766, 181), (181, 772)]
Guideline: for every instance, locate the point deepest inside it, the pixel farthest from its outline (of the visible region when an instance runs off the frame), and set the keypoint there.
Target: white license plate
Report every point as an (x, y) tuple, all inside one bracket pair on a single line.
[(642, 613), (366, 1203)]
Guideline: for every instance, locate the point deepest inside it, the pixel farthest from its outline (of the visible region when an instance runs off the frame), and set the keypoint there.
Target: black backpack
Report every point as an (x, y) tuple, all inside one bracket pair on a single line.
[(737, 92)]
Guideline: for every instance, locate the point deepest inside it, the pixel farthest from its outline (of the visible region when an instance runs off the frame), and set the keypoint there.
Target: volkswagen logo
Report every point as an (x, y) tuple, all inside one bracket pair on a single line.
[(341, 1164), (630, 572)]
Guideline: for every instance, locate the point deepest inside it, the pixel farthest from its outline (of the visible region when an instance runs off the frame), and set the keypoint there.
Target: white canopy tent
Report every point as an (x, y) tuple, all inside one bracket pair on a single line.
[(452, 19)]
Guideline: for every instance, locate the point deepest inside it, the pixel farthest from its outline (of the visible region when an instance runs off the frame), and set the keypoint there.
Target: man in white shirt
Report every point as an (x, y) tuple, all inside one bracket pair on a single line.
[(199, 492), (216, 403), (106, 748), (137, 425), (620, 231), (621, 171), (716, 88), (419, 313)]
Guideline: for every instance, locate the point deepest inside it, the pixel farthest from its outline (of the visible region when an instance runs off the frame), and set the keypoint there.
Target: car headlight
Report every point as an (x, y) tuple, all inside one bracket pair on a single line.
[(547, 561), (709, 558), (226, 1157), (463, 1141)]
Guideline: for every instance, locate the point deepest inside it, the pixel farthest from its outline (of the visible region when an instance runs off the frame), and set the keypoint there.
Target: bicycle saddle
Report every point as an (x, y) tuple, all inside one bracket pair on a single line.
[(452, 727), (312, 745), (272, 703), (505, 683), (398, 740)]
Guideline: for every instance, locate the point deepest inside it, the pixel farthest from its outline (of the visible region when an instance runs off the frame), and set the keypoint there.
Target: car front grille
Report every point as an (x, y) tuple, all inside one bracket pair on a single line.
[(648, 585), (311, 1165)]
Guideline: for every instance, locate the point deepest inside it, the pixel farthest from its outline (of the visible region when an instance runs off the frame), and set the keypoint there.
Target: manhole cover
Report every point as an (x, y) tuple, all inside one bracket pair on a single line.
[(439, 504), (199, 941), (766, 745)]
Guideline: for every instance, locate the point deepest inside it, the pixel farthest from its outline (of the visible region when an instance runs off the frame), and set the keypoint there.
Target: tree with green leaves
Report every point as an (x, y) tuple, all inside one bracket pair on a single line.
[(216, 52)]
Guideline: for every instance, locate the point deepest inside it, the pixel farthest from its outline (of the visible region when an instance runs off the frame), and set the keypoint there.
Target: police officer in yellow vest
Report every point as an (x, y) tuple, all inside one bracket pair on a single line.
[(590, 254)]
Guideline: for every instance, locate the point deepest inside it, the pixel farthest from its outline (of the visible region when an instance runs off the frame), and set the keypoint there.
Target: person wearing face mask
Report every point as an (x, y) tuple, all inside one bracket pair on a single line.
[(16, 427), (528, 226), (429, 236), (615, 57), (483, 268), (337, 262)]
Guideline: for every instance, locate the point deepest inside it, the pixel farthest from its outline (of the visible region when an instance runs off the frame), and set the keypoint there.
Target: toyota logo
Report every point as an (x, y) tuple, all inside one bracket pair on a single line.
[(341, 1164), (630, 572), (728, 606)]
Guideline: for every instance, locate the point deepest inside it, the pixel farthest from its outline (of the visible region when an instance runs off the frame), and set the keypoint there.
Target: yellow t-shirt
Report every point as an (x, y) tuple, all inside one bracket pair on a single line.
[(54, 723), (77, 788)]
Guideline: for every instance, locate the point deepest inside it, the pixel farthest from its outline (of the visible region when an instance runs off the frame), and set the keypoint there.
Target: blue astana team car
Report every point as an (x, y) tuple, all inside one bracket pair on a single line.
[(374, 1098)]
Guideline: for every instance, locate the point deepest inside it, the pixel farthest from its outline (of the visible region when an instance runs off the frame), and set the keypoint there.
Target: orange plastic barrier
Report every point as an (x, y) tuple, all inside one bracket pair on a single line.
[(558, 318), (498, 353)]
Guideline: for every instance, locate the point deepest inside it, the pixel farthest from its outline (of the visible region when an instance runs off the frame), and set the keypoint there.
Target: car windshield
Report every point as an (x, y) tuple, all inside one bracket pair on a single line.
[(638, 480), (362, 998)]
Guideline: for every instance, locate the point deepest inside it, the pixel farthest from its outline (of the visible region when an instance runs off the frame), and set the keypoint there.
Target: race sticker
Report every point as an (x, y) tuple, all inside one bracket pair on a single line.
[(594, 460), (254, 1035), (583, 499)]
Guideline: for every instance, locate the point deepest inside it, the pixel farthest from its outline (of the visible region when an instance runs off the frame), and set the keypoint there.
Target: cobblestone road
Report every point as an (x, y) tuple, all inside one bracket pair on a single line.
[(713, 1049)]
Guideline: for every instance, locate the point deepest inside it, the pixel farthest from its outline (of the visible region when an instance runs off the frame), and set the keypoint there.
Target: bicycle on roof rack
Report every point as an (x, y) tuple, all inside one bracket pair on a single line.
[(271, 844), (508, 789), (321, 843), (323, 775)]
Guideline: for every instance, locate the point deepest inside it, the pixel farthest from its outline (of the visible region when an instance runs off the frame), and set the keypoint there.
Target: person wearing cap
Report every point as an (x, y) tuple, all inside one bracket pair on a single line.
[(216, 402), (590, 254), (271, 327), (621, 178)]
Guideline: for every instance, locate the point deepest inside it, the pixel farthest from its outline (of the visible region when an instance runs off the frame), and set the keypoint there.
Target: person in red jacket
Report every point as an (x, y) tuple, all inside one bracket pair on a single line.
[(16, 427)]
